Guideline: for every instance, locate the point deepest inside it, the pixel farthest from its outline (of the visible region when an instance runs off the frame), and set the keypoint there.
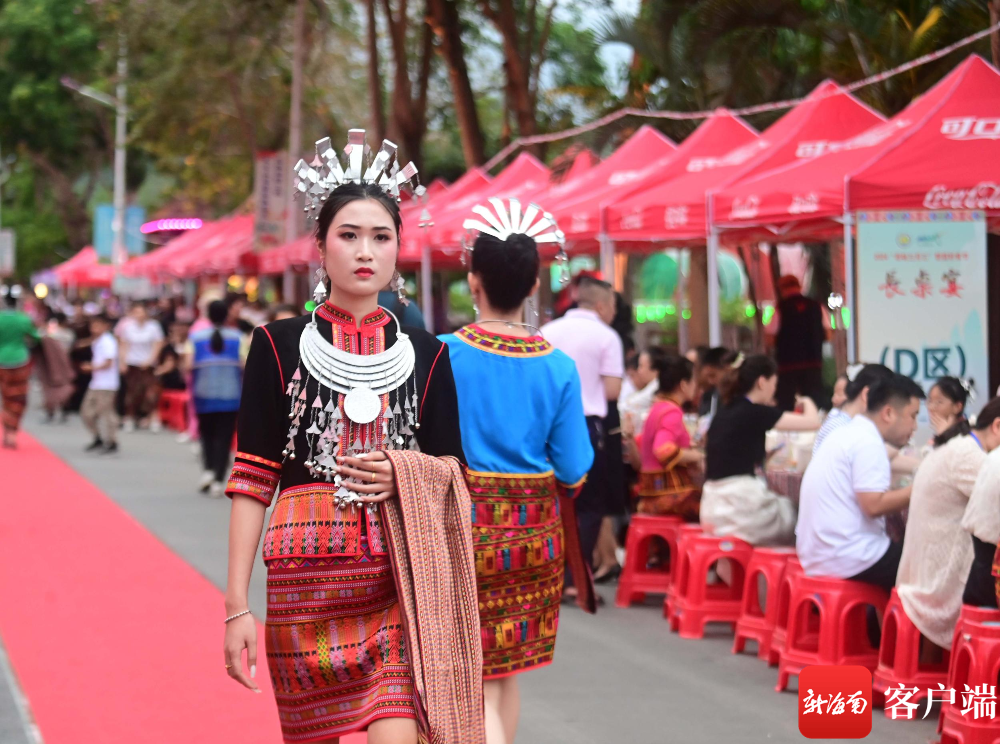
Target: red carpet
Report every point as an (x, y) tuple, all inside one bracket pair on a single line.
[(113, 637)]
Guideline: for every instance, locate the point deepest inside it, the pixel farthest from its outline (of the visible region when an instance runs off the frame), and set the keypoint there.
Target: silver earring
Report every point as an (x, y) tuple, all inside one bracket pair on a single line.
[(531, 306), (320, 293), (475, 309), (400, 284)]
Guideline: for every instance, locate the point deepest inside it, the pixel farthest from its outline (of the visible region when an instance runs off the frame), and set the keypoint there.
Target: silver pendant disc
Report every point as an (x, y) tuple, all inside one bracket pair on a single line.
[(362, 405)]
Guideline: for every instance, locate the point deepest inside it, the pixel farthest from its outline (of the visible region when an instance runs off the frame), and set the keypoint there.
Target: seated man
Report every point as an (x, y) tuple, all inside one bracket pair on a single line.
[(845, 491)]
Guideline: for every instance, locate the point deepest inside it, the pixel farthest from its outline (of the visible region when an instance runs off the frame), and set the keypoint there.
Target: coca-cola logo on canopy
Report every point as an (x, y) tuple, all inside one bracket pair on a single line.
[(964, 128), (675, 217), (804, 204), (733, 158), (745, 209), (624, 177), (983, 196)]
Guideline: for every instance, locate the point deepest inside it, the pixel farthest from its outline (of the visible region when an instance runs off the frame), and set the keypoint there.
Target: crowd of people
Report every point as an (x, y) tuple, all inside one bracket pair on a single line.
[(561, 433)]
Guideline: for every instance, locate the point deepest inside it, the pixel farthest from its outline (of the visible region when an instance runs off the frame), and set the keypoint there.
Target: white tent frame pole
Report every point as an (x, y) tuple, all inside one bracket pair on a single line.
[(712, 277), (607, 256), (849, 289)]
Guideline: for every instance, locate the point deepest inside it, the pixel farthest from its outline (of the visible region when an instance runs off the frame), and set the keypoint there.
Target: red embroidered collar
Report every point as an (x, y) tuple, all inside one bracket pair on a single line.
[(332, 313), (503, 344)]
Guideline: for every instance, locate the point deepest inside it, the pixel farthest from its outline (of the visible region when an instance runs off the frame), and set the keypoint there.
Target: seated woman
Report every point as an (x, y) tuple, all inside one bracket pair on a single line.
[(946, 402), (735, 500), (982, 522), (853, 399), (665, 483), (937, 553)]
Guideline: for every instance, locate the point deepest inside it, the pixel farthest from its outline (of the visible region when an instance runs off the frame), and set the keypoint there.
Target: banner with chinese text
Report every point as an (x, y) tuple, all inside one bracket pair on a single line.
[(921, 294), (271, 185)]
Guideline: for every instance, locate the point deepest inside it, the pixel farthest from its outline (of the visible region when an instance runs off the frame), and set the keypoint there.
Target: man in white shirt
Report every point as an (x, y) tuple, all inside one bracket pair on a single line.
[(846, 490), (98, 405), (585, 335), (141, 340)]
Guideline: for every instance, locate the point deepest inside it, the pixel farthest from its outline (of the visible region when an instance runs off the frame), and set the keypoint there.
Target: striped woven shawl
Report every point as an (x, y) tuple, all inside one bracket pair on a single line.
[(430, 542)]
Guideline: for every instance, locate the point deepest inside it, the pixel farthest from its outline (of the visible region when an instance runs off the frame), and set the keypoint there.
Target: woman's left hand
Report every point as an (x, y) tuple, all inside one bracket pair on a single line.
[(370, 475)]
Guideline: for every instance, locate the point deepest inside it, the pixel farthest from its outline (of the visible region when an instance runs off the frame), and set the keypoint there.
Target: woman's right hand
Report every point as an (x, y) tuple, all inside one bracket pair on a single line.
[(241, 633)]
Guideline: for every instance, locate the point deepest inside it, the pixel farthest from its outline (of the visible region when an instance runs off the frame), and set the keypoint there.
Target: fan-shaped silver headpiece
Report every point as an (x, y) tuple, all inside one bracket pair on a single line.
[(316, 180), (504, 218)]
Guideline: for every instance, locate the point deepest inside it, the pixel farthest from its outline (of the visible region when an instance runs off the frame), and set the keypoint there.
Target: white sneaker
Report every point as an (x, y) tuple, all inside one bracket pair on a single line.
[(218, 489), (207, 478), (184, 437), (129, 426), (155, 426)]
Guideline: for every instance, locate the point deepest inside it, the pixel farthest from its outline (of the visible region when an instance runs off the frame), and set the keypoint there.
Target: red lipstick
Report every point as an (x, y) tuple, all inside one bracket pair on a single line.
[(364, 272)]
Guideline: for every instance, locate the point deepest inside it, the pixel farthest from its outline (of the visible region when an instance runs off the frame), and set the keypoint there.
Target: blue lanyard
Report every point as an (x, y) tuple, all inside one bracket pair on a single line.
[(973, 436)]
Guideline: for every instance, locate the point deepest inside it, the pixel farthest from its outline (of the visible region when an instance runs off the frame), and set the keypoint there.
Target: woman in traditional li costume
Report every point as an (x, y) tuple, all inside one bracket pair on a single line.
[(666, 481), (526, 444), (357, 419)]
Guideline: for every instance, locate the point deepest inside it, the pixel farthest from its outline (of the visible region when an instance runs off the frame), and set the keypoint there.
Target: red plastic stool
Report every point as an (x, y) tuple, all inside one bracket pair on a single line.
[(697, 602), (780, 633), (685, 530), (758, 623), (975, 664), (636, 579), (842, 638), (173, 408), (899, 656), (971, 614)]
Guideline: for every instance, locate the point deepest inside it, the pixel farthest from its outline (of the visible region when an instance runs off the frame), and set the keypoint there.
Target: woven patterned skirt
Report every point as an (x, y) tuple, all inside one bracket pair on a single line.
[(669, 492), (518, 540), (335, 645), (13, 395)]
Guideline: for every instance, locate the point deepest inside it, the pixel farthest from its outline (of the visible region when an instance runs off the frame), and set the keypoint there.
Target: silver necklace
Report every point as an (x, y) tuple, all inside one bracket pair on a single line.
[(361, 378), (512, 324)]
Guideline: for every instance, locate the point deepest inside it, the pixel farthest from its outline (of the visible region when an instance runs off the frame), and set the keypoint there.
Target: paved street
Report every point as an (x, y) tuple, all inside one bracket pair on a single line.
[(618, 677)]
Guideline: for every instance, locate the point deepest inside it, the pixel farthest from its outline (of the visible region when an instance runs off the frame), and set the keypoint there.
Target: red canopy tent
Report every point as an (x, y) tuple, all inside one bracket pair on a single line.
[(828, 113), (153, 263), (668, 204), (949, 160), (805, 198), (84, 270), (576, 204), (228, 250), (524, 176)]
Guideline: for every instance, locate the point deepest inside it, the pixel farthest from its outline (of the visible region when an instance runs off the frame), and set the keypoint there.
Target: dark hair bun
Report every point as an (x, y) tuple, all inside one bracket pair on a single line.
[(508, 269)]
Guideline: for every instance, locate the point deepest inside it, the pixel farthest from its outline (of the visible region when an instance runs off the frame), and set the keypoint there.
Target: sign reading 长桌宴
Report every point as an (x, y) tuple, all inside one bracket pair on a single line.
[(921, 297)]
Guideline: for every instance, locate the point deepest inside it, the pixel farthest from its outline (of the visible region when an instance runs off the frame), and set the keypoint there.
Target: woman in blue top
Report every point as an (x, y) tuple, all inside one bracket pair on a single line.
[(526, 443), (216, 384)]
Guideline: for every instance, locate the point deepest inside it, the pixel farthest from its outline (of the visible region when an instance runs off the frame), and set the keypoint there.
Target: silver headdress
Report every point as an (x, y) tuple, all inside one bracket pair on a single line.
[(506, 218), (316, 180)]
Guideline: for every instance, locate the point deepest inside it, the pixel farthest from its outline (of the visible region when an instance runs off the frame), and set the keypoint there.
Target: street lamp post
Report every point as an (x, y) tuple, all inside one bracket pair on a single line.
[(118, 103)]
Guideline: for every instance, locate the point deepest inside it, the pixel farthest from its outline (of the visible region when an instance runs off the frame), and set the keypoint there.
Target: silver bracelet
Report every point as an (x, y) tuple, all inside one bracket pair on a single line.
[(241, 613)]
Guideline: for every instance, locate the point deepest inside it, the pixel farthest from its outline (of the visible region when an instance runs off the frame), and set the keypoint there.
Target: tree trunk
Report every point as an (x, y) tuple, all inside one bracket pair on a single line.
[(375, 91), (409, 113), (72, 210), (447, 25), (504, 18)]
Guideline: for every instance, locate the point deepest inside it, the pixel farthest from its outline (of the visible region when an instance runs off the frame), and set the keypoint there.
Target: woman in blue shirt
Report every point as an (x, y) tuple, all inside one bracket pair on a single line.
[(216, 383), (526, 443)]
